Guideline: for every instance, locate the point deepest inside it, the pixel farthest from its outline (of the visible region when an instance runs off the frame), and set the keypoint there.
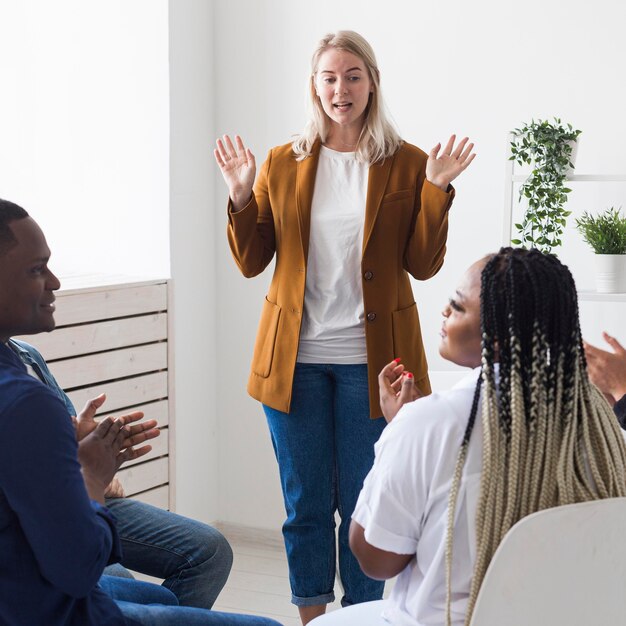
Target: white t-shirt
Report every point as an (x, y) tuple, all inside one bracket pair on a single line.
[(333, 324), (403, 506)]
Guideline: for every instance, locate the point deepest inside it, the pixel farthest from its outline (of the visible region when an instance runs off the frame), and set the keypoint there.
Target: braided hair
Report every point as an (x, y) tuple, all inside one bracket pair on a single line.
[(549, 436)]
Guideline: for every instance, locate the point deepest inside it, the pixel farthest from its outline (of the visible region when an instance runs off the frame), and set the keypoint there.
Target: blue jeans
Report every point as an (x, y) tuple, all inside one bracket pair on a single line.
[(324, 447), (131, 590), (193, 558), (151, 605), (161, 615)]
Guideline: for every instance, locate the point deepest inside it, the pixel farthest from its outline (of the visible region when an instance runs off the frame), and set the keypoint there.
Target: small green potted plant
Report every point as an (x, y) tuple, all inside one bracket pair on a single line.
[(606, 234), (548, 146)]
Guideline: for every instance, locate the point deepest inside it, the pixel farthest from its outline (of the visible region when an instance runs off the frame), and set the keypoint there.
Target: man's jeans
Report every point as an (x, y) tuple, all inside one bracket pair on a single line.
[(325, 448), (194, 559), (150, 605)]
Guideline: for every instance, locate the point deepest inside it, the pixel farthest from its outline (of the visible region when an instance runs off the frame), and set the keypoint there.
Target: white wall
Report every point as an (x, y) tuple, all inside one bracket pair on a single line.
[(477, 68), (84, 129), (192, 226), (85, 145)]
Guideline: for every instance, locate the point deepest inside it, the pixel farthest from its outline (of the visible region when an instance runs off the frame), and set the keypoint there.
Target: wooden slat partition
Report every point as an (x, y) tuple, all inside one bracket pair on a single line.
[(72, 341), (144, 476), (92, 304), (104, 366), (114, 339), (156, 497), (126, 392)]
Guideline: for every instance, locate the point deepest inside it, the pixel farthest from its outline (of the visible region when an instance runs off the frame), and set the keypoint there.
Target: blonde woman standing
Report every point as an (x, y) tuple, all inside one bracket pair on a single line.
[(349, 210)]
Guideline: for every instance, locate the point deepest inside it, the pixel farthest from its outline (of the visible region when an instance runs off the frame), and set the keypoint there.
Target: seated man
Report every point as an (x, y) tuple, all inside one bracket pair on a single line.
[(194, 559), (607, 371), (56, 535)]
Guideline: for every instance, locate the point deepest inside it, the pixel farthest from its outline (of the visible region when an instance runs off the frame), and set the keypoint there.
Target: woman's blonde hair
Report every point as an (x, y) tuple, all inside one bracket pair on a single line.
[(549, 437), (379, 139)]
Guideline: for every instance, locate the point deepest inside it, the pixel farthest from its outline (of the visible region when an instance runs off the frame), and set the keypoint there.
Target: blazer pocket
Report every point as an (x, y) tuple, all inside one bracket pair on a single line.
[(401, 194), (407, 339), (266, 339)]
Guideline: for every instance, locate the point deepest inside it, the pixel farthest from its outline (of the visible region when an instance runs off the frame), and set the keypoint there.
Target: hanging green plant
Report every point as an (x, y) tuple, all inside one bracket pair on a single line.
[(548, 147)]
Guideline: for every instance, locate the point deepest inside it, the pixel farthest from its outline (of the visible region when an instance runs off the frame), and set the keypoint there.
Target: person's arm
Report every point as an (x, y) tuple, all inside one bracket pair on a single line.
[(426, 245), (375, 563), (72, 537), (250, 230), (84, 422), (250, 222), (620, 411), (386, 523), (47, 378), (607, 370)]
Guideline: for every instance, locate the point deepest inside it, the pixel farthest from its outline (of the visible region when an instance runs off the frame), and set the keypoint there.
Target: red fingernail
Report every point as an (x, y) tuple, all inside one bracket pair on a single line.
[(397, 360), (409, 375)]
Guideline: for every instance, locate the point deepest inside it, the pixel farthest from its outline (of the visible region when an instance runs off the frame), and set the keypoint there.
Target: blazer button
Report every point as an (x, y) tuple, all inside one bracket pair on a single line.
[(368, 275), (371, 316)]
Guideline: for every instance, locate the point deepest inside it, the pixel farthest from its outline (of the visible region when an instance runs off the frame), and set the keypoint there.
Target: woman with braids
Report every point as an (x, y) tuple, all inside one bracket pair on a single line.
[(525, 431)]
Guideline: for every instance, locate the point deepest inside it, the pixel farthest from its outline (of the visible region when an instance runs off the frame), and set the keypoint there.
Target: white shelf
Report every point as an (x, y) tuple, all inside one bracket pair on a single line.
[(510, 195), (594, 296), (580, 178)]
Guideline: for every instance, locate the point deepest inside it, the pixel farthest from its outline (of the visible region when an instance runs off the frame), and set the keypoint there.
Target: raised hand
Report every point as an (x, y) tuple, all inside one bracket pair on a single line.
[(442, 169), (607, 370), (238, 168)]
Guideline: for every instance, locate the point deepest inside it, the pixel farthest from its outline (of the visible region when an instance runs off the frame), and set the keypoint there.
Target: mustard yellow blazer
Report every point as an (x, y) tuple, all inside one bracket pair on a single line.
[(406, 227)]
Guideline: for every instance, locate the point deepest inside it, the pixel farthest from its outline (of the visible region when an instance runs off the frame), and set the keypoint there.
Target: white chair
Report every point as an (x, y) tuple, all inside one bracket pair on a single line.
[(564, 566)]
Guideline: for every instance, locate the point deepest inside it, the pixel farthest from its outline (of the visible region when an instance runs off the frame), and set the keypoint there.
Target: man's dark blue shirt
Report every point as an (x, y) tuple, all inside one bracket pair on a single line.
[(54, 540)]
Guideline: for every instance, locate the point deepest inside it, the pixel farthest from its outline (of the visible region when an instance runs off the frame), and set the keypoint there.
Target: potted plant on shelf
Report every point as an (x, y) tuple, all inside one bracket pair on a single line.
[(606, 234), (549, 147)]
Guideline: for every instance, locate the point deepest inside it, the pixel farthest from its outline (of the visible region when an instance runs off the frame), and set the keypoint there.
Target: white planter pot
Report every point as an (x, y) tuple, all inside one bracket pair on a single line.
[(611, 273), (572, 159)]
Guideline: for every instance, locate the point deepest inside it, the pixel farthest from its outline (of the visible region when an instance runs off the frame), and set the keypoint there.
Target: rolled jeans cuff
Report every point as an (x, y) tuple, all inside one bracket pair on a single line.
[(325, 598)]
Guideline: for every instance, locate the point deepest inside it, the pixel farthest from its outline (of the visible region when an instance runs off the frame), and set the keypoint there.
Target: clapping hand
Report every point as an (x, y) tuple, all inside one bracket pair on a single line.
[(442, 169), (98, 450), (238, 168), (607, 370), (102, 452), (85, 423)]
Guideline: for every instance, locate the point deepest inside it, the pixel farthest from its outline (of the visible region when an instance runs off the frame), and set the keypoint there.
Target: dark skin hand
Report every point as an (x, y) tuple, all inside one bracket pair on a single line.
[(86, 423), (103, 451), (607, 369), (396, 388)]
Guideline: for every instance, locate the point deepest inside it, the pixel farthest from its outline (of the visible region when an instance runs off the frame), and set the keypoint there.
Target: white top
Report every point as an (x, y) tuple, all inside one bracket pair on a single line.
[(333, 324), (403, 506)]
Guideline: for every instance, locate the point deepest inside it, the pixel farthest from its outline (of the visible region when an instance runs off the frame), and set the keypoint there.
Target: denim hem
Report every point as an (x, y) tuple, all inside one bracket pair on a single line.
[(325, 598)]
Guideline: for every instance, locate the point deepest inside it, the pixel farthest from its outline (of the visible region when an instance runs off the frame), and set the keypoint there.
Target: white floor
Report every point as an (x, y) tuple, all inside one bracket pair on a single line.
[(259, 583)]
